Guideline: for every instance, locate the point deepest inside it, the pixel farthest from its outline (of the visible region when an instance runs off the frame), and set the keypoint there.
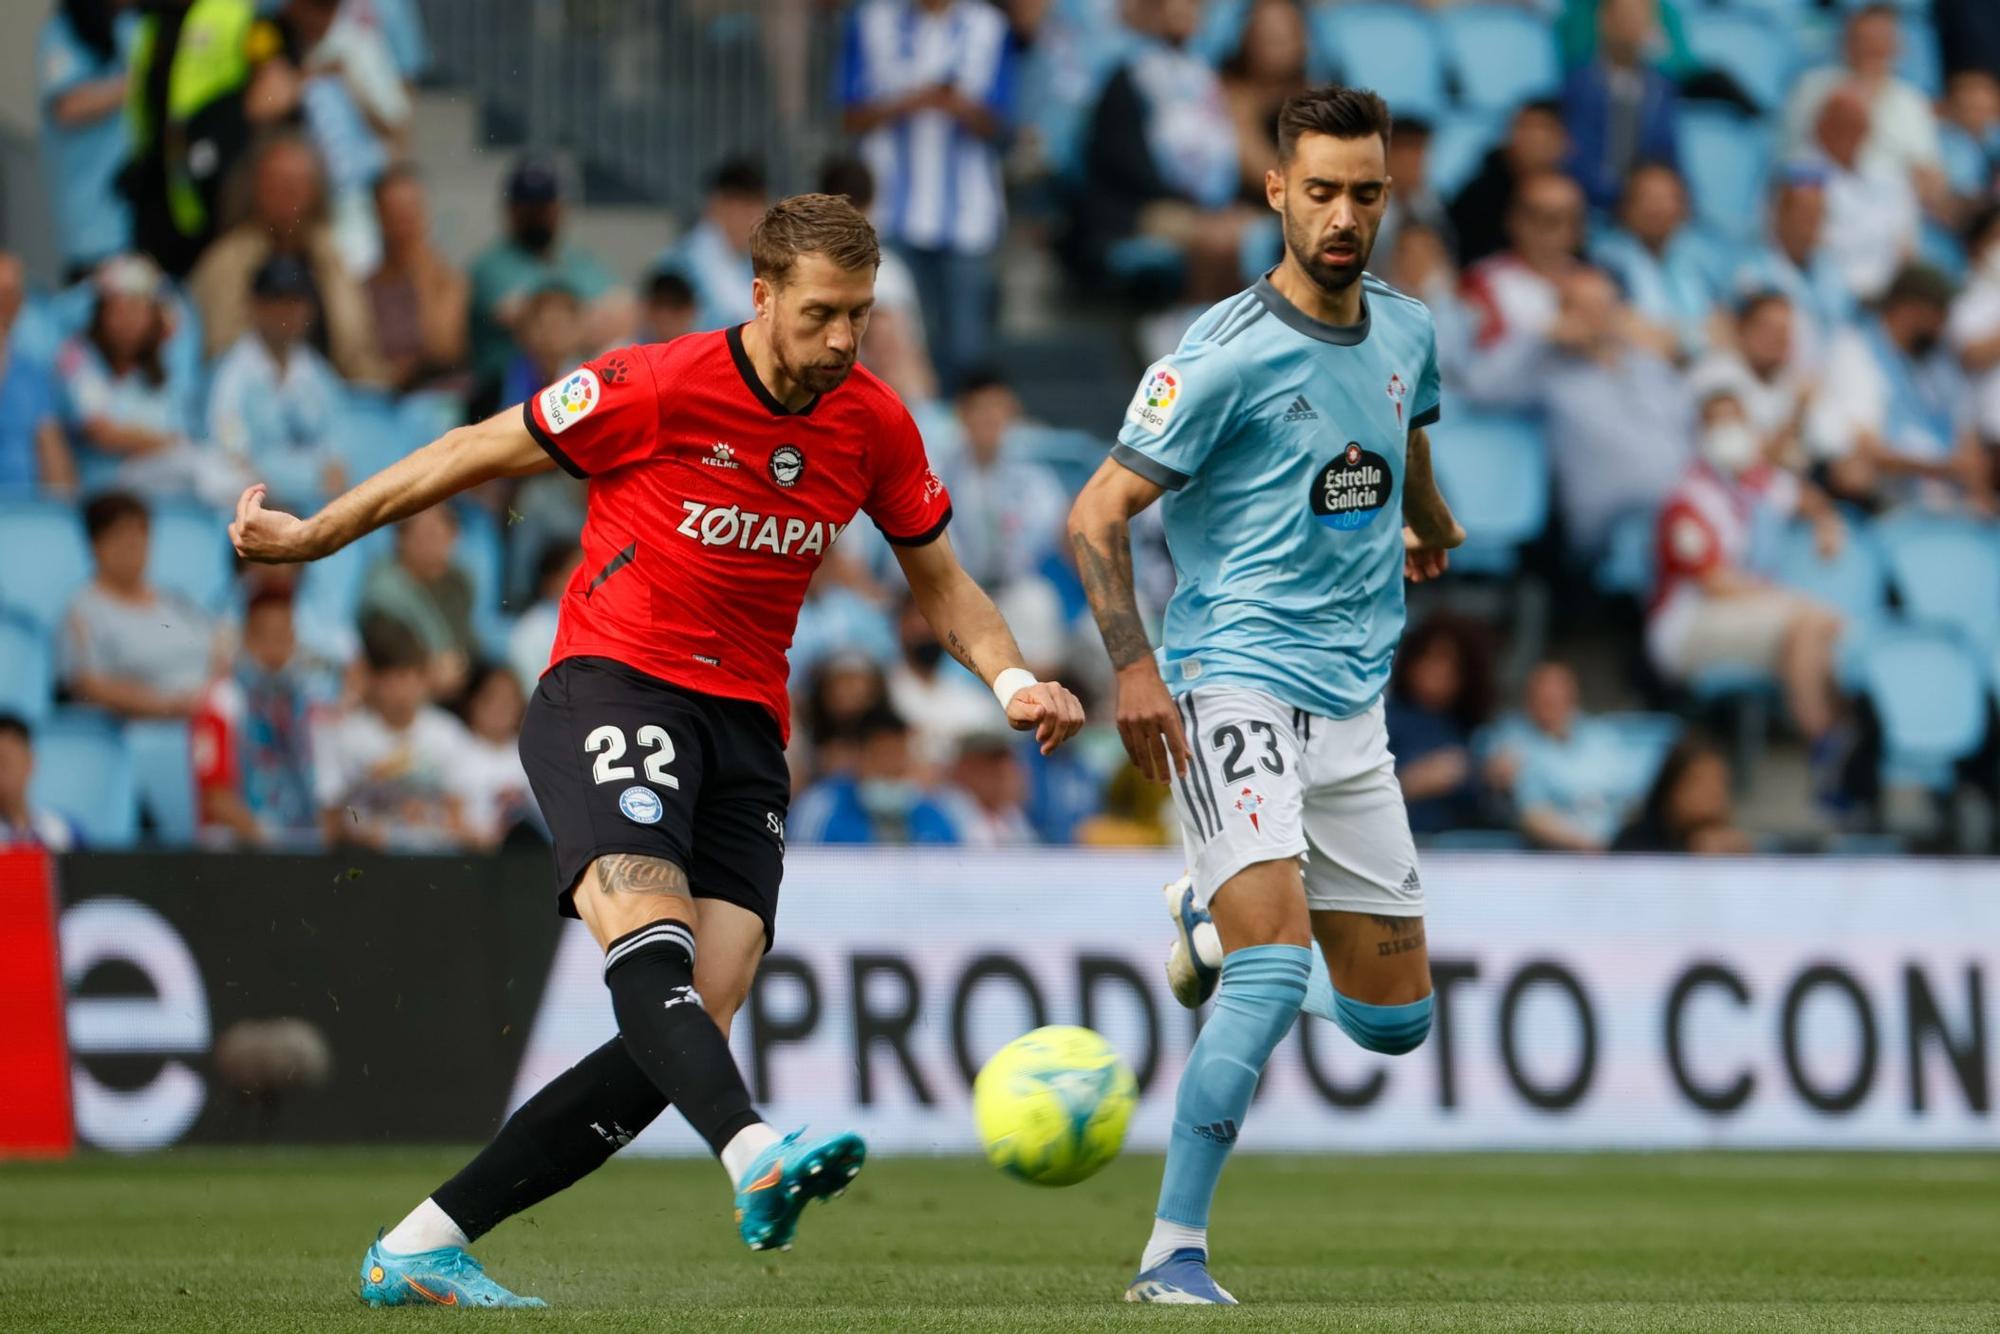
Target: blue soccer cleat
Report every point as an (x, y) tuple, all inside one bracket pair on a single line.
[(447, 1277), (785, 1178), (1194, 964), (1179, 1280)]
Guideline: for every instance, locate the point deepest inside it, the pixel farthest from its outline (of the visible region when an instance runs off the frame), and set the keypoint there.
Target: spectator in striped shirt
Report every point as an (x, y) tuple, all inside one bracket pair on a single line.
[(925, 84)]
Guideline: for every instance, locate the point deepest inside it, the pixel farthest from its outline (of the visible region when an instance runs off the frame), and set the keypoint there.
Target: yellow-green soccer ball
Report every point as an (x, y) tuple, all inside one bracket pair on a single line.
[(1052, 1105)]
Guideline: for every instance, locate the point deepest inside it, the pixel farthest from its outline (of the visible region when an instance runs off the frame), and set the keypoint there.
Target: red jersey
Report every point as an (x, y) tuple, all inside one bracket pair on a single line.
[(711, 505)]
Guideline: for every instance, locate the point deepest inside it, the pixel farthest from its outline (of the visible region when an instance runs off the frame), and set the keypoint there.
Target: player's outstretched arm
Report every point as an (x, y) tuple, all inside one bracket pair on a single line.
[(976, 634), (456, 461), (1429, 530), (1100, 530)]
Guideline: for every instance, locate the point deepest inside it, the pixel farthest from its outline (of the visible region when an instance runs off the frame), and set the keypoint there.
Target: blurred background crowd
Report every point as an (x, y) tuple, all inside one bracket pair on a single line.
[(1717, 292)]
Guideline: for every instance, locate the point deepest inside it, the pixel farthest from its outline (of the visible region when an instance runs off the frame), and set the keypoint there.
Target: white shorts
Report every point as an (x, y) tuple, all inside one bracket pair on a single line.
[(1270, 782)]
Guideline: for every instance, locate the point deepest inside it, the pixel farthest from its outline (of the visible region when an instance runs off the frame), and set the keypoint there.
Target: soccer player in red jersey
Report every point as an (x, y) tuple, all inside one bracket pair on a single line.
[(722, 466)]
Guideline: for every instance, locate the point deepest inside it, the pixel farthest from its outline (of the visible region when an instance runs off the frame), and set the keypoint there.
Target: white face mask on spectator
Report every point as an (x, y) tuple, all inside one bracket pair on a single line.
[(1730, 447)]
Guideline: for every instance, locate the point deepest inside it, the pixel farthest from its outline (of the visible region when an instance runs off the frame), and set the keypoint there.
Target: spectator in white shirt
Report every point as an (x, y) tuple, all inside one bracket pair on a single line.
[(1902, 135), (492, 786), (988, 793), (385, 772), (926, 86), (1513, 297), (1974, 326), (23, 824), (1798, 263), (1713, 606), (1871, 212), (272, 401), (942, 702), (1892, 420), (1761, 367), (714, 256), (127, 647), (1007, 512)]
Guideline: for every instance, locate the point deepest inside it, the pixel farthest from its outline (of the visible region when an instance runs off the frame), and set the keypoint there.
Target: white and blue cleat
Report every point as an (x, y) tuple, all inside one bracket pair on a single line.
[(788, 1176), (1194, 964), (1181, 1279), (447, 1277)]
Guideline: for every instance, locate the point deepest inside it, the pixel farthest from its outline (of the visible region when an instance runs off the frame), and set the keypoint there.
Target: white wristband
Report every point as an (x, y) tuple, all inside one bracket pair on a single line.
[(1011, 683)]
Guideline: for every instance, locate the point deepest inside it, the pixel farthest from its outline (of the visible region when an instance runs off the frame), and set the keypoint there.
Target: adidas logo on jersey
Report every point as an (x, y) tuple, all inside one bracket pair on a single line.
[(1301, 411), (1222, 1132), (1411, 884)]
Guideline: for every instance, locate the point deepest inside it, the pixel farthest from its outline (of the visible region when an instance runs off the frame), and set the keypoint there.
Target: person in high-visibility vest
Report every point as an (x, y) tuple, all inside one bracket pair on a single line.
[(203, 75)]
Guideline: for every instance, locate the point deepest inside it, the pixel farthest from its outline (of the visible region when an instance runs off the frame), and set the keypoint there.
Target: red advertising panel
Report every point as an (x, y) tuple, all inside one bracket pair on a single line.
[(34, 1066)]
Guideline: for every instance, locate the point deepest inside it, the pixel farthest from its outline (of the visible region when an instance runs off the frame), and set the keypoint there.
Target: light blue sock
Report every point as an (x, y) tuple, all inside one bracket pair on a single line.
[(1254, 1008), (1392, 1029)]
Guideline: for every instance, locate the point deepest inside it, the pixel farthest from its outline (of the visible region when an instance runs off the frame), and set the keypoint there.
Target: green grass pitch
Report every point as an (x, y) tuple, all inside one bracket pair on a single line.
[(215, 1241)]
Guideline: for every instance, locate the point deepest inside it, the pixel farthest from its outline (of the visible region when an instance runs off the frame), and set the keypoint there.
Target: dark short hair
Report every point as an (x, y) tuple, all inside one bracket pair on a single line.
[(271, 597), (740, 176), (1344, 113), (879, 721), (812, 224), (1414, 127), (13, 724), (981, 378), (103, 511), (848, 176), (1983, 222), (1919, 283), (390, 645), (669, 287), (1545, 106), (555, 558), (1753, 301)]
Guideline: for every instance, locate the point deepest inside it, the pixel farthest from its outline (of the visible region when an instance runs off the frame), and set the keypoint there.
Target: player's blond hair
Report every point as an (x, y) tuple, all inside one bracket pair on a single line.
[(812, 224)]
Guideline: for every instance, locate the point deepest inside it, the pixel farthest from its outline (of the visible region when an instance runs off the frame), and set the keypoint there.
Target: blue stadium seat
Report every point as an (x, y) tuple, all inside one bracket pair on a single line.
[(1459, 144), (1930, 697), (163, 769), (1500, 56), (1946, 571), (27, 669), (44, 559), (84, 771), (1495, 473), (368, 434), (482, 554), (1626, 568), (1751, 48), (1393, 49), (1221, 31), (1854, 583), (190, 555), (1726, 158)]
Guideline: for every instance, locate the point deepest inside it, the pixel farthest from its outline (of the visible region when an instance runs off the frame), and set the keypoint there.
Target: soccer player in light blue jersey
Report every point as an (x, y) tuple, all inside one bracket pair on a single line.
[(1286, 434)]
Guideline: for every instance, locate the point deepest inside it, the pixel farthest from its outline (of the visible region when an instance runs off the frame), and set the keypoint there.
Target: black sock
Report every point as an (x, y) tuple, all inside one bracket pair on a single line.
[(555, 1139), (651, 976)]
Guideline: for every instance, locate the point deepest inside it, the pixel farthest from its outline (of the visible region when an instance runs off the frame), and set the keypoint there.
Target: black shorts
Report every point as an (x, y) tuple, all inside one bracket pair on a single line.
[(625, 762)]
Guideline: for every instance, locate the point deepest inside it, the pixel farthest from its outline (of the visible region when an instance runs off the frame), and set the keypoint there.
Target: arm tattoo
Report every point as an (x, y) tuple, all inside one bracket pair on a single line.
[(626, 873), (962, 651), (1107, 579)]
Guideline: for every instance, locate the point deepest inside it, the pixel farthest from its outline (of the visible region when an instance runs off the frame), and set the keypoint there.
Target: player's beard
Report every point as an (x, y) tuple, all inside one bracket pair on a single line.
[(815, 377), (1328, 275)]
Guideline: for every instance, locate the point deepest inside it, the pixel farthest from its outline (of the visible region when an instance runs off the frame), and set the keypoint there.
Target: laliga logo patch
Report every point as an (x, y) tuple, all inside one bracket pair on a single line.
[(787, 465), (1153, 406), (568, 402), (1350, 491), (641, 805)]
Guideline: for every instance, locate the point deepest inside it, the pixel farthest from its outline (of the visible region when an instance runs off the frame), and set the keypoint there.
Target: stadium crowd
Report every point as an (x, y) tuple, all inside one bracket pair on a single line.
[(1717, 293)]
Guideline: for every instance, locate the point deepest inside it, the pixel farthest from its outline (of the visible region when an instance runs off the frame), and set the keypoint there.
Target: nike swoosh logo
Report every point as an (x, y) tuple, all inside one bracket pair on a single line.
[(768, 1180), (451, 1300)]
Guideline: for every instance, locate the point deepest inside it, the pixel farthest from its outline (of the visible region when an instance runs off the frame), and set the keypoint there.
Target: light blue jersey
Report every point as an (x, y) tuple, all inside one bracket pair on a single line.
[(1280, 440)]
